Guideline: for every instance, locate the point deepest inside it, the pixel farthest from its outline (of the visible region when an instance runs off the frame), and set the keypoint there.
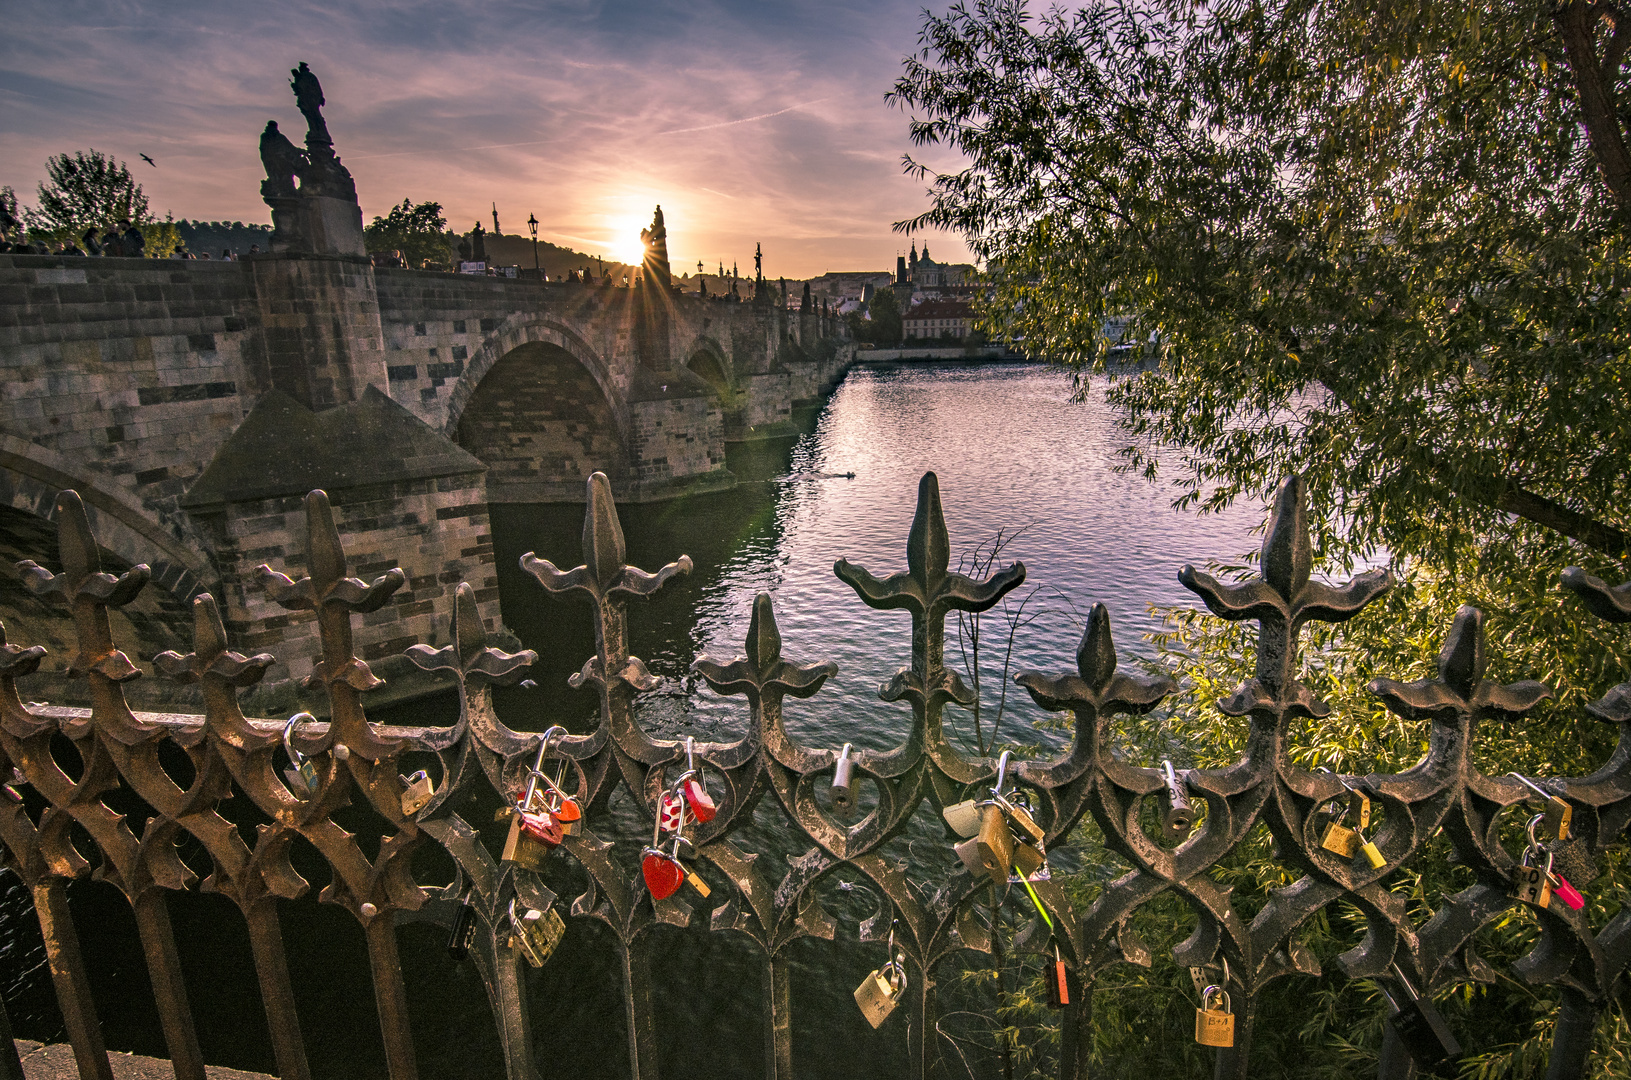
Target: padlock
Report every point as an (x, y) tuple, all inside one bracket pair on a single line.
[(1558, 815), (1531, 884), (843, 784), (1359, 809), (1023, 820), (463, 931), (881, 991), (1340, 840), (663, 874), (302, 777), (1027, 860), (542, 827), (1420, 1027), (995, 844), (1177, 815), (693, 879), (1565, 892), (568, 815), (536, 933), (692, 785), (1372, 853), (522, 849), (417, 792), (963, 817), (1061, 980), (674, 813), (1214, 1026)]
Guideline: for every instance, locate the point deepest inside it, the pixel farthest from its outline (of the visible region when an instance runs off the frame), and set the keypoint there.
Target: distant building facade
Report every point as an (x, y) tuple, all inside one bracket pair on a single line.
[(938, 319)]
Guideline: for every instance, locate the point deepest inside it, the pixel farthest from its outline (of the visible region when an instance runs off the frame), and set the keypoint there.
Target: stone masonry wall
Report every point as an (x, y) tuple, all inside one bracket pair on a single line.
[(437, 531)]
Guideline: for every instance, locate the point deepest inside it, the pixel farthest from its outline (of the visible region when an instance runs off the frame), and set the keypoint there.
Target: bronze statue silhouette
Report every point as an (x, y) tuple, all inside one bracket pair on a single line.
[(308, 97)]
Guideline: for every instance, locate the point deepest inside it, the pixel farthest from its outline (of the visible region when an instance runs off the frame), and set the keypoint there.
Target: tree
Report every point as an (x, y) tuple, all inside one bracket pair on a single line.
[(883, 326), (1374, 244), (1381, 245), (83, 190), (418, 231)]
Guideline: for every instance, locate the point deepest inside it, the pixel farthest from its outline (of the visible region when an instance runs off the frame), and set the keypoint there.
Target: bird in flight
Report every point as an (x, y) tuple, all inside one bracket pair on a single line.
[(149, 160)]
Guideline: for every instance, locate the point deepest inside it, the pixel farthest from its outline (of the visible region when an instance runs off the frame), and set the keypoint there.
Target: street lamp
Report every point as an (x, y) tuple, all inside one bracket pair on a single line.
[(532, 226)]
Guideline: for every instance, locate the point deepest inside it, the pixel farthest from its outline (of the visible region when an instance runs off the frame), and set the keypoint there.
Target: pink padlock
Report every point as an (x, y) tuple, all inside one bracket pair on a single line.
[(1566, 892), (698, 802)]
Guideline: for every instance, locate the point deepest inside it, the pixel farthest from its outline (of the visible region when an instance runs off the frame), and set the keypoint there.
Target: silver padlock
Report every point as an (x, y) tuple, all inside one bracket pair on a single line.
[(963, 817), (1177, 815), (417, 792), (536, 933), (843, 784)]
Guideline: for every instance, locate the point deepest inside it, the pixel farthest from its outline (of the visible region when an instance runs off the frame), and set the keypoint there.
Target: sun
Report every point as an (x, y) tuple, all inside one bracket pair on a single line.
[(626, 245)]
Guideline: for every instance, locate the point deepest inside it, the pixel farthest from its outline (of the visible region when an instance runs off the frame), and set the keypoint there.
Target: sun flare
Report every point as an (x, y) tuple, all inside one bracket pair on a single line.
[(626, 245)]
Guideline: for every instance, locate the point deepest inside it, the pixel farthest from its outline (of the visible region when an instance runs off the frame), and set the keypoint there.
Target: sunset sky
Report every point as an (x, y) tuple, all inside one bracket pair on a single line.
[(758, 121)]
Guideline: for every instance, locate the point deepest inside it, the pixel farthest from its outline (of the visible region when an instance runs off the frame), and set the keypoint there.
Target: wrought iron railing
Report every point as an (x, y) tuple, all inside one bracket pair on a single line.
[(62, 826)]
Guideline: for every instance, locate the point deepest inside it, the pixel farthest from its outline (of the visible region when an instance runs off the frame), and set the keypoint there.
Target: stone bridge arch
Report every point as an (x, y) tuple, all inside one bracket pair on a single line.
[(706, 358), (31, 476), (539, 408)]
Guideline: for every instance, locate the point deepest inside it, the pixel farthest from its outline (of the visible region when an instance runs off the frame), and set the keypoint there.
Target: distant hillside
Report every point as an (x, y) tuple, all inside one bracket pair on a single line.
[(215, 236), (510, 250)]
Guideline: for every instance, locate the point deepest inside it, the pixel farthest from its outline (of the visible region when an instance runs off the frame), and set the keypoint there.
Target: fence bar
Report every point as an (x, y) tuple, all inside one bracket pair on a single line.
[(636, 957), (1076, 1036), (1234, 1062), (1571, 1042), (778, 1021), (391, 997), (277, 992), (1393, 1063), (169, 989), (11, 1066), (68, 975)]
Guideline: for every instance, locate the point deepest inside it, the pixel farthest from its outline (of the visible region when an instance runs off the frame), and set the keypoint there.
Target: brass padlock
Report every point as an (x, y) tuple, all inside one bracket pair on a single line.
[(1027, 860), (417, 792), (963, 817), (1558, 816), (843, 784), (995, 844), (881, 991), (1022, 818), (521, 849), (1340, 840), (1531, 884), (536, 933), (1214, 1026)]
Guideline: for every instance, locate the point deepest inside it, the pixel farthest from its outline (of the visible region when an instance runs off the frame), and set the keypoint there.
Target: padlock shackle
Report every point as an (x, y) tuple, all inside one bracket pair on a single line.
[(1002, 773), (1207, 994), (690, 755), (1535, 823), (296, 758), (1532, 786)]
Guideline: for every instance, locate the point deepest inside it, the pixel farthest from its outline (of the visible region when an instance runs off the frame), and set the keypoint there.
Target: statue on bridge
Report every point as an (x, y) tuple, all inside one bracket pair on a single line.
[(321, 216), (283, 160)]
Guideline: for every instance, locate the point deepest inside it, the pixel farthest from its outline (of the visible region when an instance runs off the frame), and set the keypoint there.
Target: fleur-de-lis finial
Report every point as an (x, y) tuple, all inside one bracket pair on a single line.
[(1097, 684), (326, 582), (211, 657), (763, 667), (604, 571), (469, 655), (1460, 688)]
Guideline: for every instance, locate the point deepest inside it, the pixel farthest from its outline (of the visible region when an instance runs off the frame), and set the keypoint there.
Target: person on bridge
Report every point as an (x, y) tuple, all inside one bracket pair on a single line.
[(135, 242)]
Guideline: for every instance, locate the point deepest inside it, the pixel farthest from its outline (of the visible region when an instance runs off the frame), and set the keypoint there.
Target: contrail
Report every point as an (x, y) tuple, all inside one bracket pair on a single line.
[(744, 120), (721, 194)]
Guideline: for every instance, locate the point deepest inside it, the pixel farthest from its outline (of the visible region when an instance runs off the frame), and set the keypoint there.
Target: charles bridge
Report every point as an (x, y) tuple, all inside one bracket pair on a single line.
[(194, 404)]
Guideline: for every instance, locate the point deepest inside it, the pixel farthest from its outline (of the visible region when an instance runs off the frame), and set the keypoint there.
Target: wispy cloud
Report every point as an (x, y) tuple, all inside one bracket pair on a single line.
[(743, 120), (562, 108)]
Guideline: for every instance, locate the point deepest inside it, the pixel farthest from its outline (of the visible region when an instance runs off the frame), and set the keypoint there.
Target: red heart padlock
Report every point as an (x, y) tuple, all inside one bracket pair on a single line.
[(541, 827), (568, 812), (663, 875), (698, 801)]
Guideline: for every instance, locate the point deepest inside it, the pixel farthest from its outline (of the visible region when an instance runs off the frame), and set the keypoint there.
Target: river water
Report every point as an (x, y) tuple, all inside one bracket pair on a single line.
[(1014, 452)]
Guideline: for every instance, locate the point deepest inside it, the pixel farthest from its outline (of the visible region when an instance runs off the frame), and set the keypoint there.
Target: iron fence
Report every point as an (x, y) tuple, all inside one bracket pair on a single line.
[(62, 827)]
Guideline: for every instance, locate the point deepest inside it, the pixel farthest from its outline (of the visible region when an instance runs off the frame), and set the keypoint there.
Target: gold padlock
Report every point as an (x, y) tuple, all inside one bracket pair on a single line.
[(1359, 809), (417, 792), (522, 850), (1532, 884), (963, 817), (1214, 1026), (1340, 840), (880, 992), (1558, 815), (995, 844), (1022, 818), (536, 933), (1027, 860)]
